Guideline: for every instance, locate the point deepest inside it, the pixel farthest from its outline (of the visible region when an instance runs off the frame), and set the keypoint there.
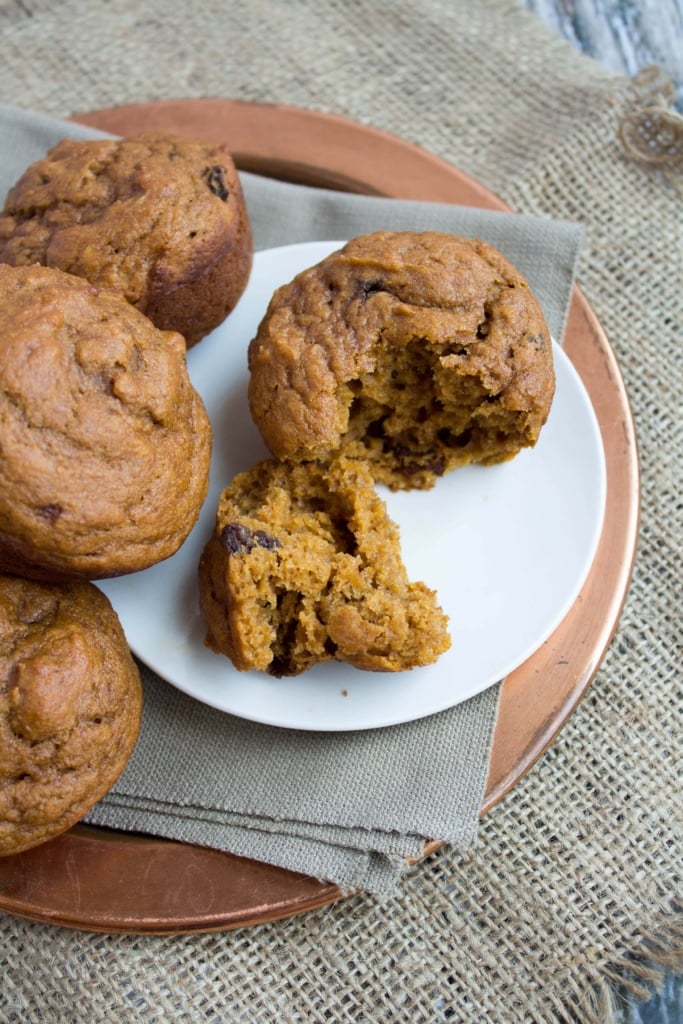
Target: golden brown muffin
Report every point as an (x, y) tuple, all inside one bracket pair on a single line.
[(419, 352), (70, 706), (304, 566), (159, 218), (105, 443)]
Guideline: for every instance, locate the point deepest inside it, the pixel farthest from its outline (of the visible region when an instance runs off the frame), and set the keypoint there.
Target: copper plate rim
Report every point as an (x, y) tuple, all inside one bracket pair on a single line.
[(100, 880)]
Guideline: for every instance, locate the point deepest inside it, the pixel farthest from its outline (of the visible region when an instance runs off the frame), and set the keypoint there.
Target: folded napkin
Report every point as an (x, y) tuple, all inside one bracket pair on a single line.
[(350, 807)]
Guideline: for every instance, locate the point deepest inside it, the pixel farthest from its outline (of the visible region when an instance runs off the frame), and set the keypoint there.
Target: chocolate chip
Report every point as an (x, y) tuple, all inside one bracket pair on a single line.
[(435, 466), (412, 462), (50, 512), (451, 440), (369, 288), (266, 540), (236, 538), (239, 539), (216, 182), (288, 611)]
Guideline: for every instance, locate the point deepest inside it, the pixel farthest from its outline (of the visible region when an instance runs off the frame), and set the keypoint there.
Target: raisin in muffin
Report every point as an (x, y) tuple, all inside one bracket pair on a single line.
[(70, 706), (159, 218), (304, 566), (105, 443), (419, 352)]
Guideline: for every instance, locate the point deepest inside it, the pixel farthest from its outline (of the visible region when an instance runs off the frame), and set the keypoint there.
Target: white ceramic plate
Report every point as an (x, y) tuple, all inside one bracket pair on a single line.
[(507, 548)]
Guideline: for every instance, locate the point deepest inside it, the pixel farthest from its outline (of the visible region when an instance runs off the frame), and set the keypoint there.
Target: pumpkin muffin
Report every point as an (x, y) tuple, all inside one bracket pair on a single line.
[(304, 566), (70, 706), (159, 218), (418, 352), (105, 443)]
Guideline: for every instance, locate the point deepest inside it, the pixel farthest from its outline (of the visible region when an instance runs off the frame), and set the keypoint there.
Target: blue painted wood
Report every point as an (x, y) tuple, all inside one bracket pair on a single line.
[(622, 35), (664, 1008)]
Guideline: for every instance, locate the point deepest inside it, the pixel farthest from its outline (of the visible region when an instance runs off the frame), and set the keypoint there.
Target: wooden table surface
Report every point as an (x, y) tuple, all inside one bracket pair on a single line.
[(624, 36)]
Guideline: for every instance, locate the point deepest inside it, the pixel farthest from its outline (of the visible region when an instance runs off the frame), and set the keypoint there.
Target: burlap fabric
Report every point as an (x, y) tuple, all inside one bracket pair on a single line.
[(571, 888)]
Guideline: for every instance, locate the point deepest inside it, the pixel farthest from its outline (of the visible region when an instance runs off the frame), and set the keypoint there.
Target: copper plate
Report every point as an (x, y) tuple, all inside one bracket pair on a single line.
[(101, 880)]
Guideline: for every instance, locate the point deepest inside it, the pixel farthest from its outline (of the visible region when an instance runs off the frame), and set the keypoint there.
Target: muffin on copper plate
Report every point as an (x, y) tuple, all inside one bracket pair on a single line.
[(159, 218), (105, 442), (416, 351), (70, 706)]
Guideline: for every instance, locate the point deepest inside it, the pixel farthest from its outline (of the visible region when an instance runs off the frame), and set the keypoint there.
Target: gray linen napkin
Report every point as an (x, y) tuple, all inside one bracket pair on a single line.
[(350, 807)]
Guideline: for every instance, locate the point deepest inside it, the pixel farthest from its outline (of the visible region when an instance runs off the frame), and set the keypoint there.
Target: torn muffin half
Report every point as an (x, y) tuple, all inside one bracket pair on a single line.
[(304, 566)]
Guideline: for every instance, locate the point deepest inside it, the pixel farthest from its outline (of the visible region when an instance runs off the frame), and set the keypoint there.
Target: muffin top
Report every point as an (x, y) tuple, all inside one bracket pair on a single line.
[(420, 351), (105, 442), (70, 706), (158, 218)]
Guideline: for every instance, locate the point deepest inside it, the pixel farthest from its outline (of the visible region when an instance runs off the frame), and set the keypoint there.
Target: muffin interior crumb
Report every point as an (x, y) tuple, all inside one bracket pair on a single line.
[(426, 405)]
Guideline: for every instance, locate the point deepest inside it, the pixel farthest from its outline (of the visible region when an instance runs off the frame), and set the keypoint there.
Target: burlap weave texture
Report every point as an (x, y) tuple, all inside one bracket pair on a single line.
[(573, 879)]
